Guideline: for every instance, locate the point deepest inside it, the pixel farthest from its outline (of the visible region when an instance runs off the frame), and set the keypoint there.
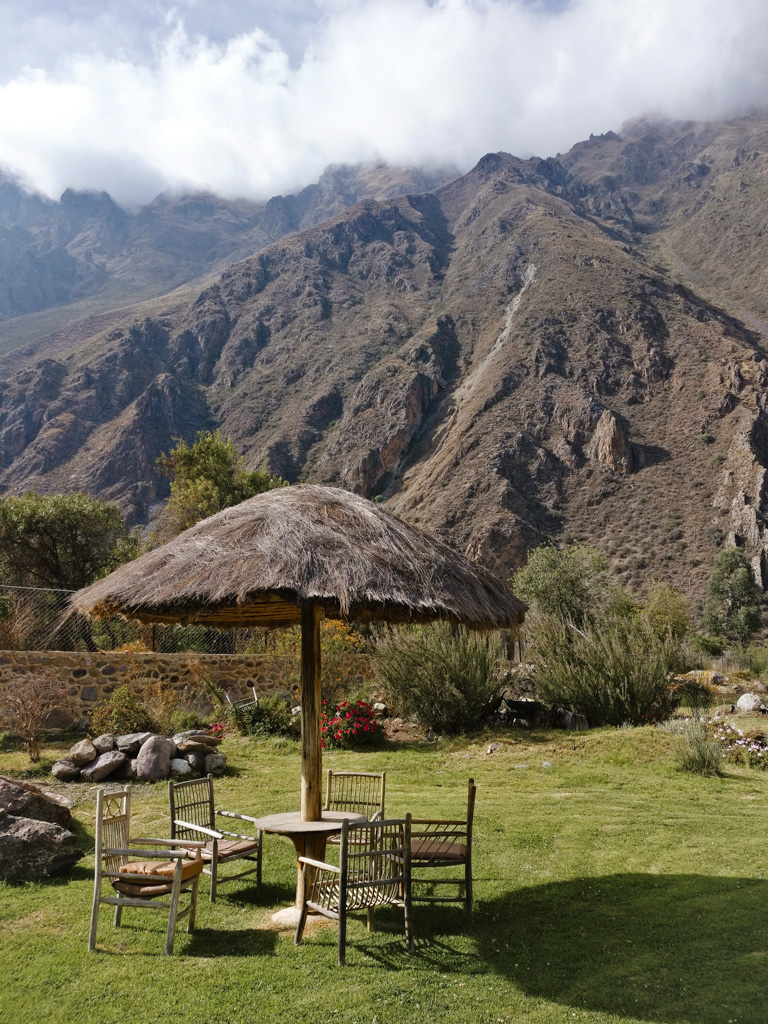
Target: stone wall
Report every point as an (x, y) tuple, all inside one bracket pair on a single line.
[(93, 677)]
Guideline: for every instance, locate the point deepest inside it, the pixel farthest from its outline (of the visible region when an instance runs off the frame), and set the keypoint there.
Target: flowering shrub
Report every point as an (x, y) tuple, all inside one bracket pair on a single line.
[(349, 725), (216, 729), (740, 749)]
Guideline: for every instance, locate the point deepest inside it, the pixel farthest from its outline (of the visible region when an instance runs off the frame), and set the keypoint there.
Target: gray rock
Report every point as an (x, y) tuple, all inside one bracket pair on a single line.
[(196, 762), (31, 849), (83, 752), (381, 709), (23, 800), (750, 702), (104, 743), (180, 767), (131, 742), (66, 770), (493, 747), (200, 735), (215, 764), (103, 766), (188, 745), (154, 760)]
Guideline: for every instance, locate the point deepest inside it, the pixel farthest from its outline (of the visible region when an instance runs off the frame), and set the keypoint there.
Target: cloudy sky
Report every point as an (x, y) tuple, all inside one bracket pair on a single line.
[(256, 97)]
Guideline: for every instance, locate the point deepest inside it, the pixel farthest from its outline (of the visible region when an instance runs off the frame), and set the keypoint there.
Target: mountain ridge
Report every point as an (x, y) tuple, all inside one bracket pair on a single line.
[(505, 359)]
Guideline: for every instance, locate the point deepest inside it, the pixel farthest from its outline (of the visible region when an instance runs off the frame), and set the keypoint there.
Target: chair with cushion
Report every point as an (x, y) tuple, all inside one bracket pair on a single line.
[(193, 816), (373, 871), (357, 793), (443, 844), (154, 876)]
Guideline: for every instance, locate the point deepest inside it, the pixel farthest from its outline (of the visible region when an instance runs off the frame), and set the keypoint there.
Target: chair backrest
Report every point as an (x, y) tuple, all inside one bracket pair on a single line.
[(113, 825), (191, 801), (374, 867), (356, 792)]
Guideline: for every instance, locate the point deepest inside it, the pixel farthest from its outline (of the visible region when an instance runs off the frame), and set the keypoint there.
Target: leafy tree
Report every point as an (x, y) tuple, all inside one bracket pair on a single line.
[(62, 540), (206, 477), (573, 584), (666, 611), (732, 604)]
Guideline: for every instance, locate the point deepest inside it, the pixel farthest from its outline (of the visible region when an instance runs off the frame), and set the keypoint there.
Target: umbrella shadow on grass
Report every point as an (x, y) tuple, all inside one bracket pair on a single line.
[(667, 948)]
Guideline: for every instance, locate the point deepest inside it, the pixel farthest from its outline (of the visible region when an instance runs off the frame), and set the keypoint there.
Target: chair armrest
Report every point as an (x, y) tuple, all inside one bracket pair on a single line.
[(186, 844), (320, 864), (197, 828), (438, 821), (376, 816), (241, 817), (153, 854)]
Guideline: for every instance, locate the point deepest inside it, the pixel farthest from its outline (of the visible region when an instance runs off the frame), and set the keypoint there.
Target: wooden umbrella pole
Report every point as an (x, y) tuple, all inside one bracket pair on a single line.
[(311, 749)]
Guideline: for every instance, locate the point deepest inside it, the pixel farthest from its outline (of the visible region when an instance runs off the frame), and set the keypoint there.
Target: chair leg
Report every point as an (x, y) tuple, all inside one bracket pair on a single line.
[(214, 870), (260, 837), (369, 916), (173, 911), (468, 888), (342, 935), (94, 919), (118, 916), (193, 905), (300, 923)]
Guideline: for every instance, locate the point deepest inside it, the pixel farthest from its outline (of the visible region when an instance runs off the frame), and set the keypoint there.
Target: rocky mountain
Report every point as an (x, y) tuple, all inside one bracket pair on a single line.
[(85, 247), (538, 349)]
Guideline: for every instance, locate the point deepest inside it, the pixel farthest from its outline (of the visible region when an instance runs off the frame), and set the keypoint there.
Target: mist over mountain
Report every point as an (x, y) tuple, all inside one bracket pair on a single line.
[(252, 100), (561, 348)]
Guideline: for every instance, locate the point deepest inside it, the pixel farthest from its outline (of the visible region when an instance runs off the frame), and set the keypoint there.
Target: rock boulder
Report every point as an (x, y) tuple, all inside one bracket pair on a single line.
[(154, 760), (23, 800), (31, 849)]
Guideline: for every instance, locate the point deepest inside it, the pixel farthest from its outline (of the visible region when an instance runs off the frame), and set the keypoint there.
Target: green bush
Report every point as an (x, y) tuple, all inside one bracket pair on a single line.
[(448, 678), (121, 713), (695, 694), (700, 753), (615, 673), (270, 717)]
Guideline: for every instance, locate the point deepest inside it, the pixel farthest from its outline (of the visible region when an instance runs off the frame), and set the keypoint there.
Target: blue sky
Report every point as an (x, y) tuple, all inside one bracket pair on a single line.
[(255, 98)]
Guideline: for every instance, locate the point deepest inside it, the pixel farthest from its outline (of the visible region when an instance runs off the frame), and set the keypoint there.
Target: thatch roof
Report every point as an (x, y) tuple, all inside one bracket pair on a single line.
[(257, 563)]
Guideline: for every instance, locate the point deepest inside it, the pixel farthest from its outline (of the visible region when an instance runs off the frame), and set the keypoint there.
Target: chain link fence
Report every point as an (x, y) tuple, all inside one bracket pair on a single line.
[(35, 619)]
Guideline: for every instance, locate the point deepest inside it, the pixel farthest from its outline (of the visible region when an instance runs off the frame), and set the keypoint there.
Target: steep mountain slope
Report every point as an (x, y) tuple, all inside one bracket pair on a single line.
[(87, 255), (693, 195), (501, 360)]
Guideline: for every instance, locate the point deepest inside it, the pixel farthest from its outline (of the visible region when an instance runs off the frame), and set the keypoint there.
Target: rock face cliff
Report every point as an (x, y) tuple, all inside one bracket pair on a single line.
[(502, 360)]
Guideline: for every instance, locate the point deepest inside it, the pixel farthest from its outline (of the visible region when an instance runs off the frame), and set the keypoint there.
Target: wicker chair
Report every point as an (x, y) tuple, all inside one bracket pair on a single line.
[(444, 843), (357, 793), (373, 871), (155, 882), (193, 816)]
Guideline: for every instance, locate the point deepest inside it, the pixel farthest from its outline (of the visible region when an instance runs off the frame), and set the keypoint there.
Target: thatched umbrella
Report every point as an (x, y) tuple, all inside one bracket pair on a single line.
[(291, 556)]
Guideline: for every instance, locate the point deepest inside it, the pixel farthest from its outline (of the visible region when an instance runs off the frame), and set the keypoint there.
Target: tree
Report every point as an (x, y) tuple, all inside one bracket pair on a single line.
[(666, 611), (61, 541), (206, 477), (573, 584), (732, 604)]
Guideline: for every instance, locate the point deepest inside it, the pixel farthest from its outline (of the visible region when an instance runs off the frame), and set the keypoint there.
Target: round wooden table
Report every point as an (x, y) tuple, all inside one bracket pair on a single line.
[(310, 839)]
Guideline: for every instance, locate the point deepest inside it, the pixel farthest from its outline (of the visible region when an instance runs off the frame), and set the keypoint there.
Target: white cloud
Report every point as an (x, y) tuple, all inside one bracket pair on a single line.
[(402, 80)]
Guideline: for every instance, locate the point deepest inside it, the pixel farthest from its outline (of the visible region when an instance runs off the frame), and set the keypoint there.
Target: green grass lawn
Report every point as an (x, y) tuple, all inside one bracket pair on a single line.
[(609, 887)]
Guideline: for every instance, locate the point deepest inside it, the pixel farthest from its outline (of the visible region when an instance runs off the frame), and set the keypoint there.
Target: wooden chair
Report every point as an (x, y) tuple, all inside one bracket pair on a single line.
[(155, 882), (373, 871), (356, 792), (193, 816), (444, 843)]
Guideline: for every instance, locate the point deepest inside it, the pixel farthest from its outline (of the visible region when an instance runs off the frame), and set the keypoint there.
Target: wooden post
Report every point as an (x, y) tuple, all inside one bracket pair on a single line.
[(311, 750)]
